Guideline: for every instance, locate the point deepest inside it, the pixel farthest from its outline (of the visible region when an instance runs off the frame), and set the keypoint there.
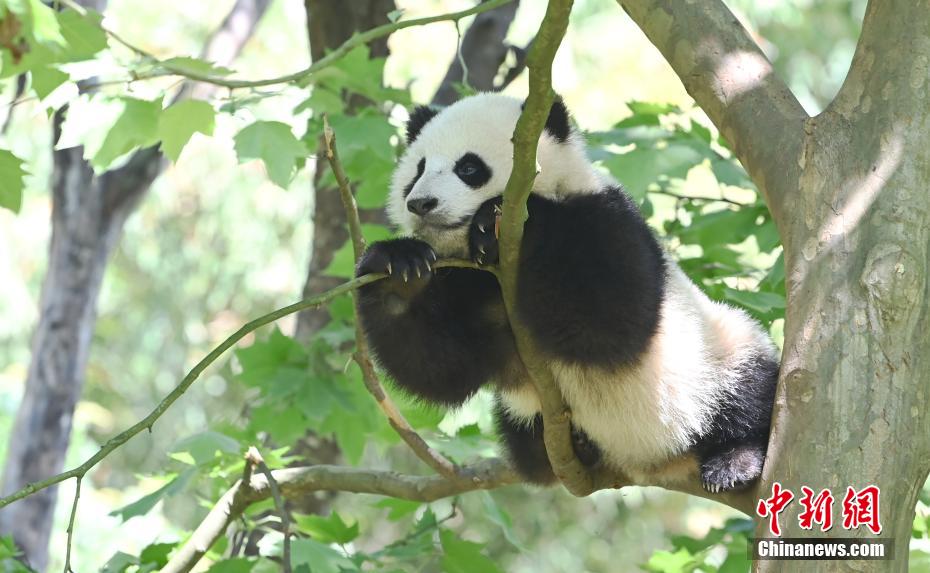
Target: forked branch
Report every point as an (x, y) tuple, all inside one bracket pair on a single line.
[(735, 84)]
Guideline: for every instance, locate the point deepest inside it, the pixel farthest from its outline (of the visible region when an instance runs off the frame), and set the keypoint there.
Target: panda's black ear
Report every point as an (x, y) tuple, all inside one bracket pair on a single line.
[(419, 117), (558, 124)]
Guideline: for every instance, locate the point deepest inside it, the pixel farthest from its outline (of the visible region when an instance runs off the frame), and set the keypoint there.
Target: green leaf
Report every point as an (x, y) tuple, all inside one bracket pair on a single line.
[(399, 507), (343, 263), (46, 78), (83, 33), (361, 74), (283, 423), (760, 302), (234, 565), (195, 66), (203, 447), (350, 435), (767, 236), (145, 503), (263, 358), (119, 562), (639, 168), (361, 136), (727, 226), (330, 529), (137, 126), (156, 554), (460, 556), (181, 121), (45, 26), (394, 15), (11, 181), (730, 172), (317, 557), (497, 514), (10, 557), (275, 144), (652, 108), (700, 132), (667, 562)]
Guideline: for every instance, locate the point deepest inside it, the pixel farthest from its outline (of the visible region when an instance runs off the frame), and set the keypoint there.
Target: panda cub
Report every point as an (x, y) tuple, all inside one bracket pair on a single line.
[(663, 383)]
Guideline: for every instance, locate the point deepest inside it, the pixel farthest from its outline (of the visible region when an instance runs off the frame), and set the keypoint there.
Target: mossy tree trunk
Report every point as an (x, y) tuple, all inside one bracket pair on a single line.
[(850, 192)]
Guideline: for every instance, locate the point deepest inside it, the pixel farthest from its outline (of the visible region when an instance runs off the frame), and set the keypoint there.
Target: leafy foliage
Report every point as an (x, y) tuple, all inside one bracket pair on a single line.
[(11, 180), (275, 145), (722, 550), (294, 394)]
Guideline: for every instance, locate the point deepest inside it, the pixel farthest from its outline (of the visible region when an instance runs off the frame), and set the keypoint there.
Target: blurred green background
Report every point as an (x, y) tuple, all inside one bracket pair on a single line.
[(215, 243)]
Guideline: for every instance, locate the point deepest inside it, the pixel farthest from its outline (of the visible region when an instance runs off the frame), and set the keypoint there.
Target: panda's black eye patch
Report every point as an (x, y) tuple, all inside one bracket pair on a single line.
[(472, 170), (421, 166)]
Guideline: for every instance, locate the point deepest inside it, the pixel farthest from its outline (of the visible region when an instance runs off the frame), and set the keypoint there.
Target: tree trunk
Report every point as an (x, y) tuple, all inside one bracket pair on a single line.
[(87, 217), (848, 190), (329, 24), (853, 407), (88, 213)]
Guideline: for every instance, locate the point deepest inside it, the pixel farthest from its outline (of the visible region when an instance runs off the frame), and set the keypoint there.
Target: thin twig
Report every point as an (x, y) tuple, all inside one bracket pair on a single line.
[(165, 68), (362, 354), (297, 483), (253, 457), (74, 506), (556, 414), (345, 190), (459, 55), (149, 421), (697, 198)]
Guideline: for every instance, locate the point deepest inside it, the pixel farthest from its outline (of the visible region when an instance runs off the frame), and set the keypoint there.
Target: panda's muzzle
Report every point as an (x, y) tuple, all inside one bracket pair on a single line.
[(422, 205)]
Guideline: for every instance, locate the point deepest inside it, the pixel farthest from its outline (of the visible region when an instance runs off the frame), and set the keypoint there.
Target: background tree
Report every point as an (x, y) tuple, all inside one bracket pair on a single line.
[(684, 175), (88, 213)]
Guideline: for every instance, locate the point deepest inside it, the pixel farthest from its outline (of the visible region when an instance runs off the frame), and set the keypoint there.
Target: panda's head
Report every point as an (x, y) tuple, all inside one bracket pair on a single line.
[(460, 156)]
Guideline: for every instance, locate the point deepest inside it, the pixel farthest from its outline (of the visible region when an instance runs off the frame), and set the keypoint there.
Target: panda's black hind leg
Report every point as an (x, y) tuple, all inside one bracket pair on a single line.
[(730, 467)]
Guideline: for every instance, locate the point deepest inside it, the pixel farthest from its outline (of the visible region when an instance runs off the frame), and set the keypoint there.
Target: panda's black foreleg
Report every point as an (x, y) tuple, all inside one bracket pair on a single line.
[(525, 447), (527, 450), (591, 275), (433, 331), (732, 454)]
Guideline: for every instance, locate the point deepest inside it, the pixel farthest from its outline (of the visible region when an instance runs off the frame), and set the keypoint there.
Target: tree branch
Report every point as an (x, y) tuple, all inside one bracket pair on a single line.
[(149, 421), (254, 458), (362, 354), (556, 415), (163, 68), (298, 482), (734, 83), (482, 50)]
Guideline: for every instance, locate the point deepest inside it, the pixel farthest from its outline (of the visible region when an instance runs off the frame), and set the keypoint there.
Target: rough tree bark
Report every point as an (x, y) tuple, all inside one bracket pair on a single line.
[(88, 213), (854, 400), (848, 190)]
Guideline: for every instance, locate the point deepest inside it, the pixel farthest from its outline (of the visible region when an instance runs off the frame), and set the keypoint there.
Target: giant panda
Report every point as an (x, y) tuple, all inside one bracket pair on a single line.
[(663, 383)]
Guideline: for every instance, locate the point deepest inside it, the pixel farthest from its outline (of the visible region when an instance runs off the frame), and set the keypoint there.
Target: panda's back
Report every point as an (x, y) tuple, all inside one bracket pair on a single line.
[(643, 416)]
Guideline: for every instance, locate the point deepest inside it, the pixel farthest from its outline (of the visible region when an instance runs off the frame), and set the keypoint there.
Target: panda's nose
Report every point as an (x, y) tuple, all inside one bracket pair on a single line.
[(422, 206)]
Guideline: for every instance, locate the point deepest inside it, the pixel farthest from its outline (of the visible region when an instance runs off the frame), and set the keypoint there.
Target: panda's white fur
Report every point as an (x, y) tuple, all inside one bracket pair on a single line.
[(647, 415), (481, 124), (642, 416)]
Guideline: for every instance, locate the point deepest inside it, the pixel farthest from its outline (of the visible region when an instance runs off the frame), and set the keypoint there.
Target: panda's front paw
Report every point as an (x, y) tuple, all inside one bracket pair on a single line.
[(407, 260), (482, 235)]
